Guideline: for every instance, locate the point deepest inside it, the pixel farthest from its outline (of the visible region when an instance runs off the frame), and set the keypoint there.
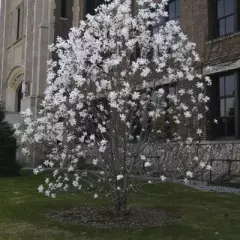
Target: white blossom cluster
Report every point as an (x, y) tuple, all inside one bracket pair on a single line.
[(111, 87)]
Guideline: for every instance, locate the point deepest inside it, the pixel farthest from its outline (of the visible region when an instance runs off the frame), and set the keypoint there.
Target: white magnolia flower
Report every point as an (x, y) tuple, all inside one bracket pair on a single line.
[(25, 151), (51, 164), (40, 188), (202, 164), (70, 169), (187, 114), (151, 113), (189, 174), (209, 167), (119, 177), (208, 80), (53, 195), (147, 164), (199, 131), (47, 193), (160, 92), (75, 183), (200, 116), (136, 95), (145, 72), (95, 196), (123, 117), (195, 158), (189, 140), (177, 121), (185, 180), (163, 178), (92, 137), (95, 161), (200, 85), (181, 92), (35, 171)]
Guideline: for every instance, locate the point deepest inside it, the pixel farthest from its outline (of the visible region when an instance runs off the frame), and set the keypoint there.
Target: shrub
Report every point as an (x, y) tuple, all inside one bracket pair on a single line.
[(8, 148)]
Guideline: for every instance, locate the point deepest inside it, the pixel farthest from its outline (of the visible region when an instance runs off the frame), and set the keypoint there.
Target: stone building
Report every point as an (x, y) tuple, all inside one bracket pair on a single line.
[(27, 27)]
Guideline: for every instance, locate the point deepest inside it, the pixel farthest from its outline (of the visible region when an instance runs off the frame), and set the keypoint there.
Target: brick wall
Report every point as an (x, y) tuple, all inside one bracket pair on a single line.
[(195, 22)]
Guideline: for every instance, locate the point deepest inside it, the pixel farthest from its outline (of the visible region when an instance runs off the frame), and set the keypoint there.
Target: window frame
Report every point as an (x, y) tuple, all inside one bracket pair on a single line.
[(19, 21), (167, 127), (215, 111), (63, 8), (214, 27), (225, 17), (176, 17), (93, 5)]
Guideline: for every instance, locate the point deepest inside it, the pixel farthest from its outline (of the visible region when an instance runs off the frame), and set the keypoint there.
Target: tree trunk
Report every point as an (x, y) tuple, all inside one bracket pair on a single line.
[(121, 206)]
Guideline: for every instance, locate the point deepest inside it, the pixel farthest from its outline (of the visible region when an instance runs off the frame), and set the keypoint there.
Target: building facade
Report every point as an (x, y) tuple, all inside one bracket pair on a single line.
[(28, 26)]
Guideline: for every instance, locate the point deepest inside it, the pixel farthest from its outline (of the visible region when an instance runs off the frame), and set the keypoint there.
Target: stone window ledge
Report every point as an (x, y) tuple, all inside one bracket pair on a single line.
[(222, 141), (222, 38), (18, 41)]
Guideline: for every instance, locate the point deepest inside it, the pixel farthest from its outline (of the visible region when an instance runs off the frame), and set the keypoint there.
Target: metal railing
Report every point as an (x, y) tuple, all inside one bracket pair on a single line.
[(224, 170)]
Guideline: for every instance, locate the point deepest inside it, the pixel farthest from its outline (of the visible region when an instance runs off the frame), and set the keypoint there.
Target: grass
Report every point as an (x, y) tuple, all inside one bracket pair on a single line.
[(204, 215)]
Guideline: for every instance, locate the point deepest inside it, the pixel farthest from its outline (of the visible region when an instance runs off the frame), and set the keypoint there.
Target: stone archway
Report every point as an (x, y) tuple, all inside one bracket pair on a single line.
[(14, 90)]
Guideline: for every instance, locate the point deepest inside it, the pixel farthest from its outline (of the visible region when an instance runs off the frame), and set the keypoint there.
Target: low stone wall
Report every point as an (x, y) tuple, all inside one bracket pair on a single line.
[(174, 159)]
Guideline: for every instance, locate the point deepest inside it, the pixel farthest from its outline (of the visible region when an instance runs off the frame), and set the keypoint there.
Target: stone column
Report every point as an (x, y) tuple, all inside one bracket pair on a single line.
[(77, 12), (3, 50), (42, 57), (43, 36), (29, 76)]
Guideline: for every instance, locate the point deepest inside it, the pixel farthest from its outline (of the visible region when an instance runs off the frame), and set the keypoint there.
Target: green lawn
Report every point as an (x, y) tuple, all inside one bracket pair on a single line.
[(204, 215)]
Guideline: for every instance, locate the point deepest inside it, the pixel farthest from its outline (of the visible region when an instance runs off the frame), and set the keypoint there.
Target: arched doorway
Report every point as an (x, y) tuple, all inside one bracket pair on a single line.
[(14, 91), (19, 97)]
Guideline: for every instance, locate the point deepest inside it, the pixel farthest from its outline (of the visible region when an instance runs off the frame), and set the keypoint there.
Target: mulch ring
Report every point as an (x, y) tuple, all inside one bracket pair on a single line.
[(103, 217)]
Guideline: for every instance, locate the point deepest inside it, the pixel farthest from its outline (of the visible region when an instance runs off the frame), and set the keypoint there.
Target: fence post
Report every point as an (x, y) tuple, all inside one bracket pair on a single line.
[(210, 174), (229, 169)]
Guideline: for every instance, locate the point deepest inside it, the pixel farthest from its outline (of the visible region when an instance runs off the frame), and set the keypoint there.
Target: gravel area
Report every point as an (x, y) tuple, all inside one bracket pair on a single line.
[(204, 186)]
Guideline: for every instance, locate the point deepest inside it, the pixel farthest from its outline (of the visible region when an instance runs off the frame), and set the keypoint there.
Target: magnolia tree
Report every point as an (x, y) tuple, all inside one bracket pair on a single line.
[(121, 82)]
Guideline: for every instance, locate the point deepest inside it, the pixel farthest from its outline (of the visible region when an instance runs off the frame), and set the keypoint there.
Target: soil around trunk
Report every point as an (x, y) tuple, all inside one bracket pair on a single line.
[(103, 217)]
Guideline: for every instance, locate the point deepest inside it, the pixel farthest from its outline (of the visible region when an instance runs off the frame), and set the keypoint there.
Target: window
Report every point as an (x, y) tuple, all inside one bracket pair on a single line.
[(98, 111), (225, 105), (165, 126), (19, 21), (91, 5), (225, 17), (174, 10), (63, 8), (161, 21), (170, 125)]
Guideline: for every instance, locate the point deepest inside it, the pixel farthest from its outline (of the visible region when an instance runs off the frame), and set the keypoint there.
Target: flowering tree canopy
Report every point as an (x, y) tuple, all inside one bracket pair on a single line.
[(121, 81)]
